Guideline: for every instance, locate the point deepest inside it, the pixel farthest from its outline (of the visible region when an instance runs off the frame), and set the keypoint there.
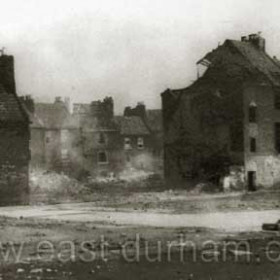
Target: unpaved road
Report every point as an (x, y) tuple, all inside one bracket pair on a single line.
[(234, 222)]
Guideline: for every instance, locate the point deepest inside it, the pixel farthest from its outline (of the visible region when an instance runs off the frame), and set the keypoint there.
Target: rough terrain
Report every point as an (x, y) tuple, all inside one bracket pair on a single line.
[(77, 233)]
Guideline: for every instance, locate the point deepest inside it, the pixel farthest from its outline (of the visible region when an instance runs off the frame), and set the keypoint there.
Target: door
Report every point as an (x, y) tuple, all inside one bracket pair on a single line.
[(251, 180)]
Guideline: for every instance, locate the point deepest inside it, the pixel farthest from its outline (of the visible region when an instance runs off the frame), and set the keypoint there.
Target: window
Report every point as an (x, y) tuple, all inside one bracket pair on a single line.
[(251, 177), (102, 157), (127, 143), (252, 114), (101, 139), (253, 144), (140, 143), (277, 137), (47, 139)]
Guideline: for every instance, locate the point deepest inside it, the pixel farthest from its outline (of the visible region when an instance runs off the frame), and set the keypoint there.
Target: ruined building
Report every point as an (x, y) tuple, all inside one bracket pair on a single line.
[(14, 138), (230, 116)]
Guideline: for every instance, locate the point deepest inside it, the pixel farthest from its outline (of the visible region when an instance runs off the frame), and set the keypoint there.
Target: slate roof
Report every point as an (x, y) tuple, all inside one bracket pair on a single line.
[(260, 60), (132, 125), (71, 122), (91, 123), (251, 59), (10, 107), (54, 116)]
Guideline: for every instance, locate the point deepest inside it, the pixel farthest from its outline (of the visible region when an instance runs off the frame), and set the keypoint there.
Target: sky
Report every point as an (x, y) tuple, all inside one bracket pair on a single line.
[(131, 50)]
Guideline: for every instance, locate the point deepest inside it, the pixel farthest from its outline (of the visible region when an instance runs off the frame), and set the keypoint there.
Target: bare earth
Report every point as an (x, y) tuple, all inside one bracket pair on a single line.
[(118, 221)]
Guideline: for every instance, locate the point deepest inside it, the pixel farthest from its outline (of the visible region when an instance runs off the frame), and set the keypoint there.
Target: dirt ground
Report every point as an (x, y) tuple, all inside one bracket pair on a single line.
[(49, 247), (181, 201), (120, 261)]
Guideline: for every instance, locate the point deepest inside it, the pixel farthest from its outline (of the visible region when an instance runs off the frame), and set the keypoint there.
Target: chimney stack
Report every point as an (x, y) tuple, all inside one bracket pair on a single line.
[(7, 74), (256, 40), (139, 110), (58, 100)]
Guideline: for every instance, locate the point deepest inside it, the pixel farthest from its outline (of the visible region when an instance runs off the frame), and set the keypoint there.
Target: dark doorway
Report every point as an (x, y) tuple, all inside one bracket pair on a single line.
[(251, 181)]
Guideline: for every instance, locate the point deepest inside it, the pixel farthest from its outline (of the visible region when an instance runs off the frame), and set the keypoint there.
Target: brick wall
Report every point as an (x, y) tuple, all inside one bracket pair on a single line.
[(14, 151)]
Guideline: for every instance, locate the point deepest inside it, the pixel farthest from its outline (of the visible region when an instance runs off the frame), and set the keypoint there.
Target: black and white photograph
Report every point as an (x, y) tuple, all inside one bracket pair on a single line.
[(140, 140)]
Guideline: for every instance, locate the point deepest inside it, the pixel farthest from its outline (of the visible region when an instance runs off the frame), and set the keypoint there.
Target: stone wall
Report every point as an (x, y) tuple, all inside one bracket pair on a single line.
[(265, 161)]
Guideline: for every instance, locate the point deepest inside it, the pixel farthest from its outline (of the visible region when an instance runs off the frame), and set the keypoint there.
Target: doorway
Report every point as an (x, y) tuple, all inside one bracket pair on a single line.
[(251, 181)]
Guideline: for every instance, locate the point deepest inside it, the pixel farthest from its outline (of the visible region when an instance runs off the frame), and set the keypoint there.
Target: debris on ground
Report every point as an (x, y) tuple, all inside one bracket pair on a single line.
[(271, 227), (48, 186)]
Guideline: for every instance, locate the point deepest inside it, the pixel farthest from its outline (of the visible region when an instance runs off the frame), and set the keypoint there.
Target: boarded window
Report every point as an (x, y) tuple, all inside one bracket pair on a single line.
[(252, 114), (102, 157), (253, 144), (277, 137)]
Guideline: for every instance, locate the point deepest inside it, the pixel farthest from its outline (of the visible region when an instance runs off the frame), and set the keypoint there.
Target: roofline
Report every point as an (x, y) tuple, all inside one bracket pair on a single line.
[(21, 107)]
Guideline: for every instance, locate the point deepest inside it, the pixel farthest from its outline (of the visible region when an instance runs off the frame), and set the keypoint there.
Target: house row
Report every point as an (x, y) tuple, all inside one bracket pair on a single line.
[(90, 140), (228, 120)]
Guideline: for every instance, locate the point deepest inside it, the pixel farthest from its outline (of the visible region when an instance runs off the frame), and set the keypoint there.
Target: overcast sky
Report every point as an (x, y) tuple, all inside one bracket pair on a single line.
[(131, 50)]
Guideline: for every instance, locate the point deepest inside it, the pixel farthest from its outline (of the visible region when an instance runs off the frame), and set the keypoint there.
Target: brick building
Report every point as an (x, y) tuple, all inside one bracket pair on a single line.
[(92, 141), (111, 144), (14, 138), (100, 137), (230, 116)]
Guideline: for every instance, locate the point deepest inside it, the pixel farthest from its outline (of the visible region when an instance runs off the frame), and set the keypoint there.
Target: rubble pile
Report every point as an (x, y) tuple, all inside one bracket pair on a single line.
[(131, 174), (47, 185)]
